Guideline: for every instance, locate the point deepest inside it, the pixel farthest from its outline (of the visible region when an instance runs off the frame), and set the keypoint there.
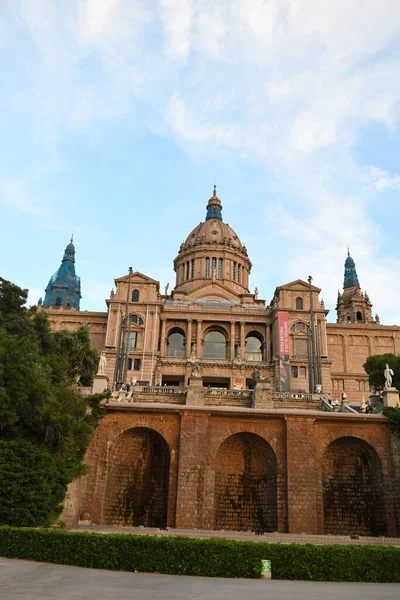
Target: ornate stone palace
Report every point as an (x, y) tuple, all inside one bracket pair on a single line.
[(192, 444)]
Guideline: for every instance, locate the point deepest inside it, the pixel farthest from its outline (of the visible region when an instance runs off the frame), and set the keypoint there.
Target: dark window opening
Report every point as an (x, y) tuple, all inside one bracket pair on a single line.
[(299, 303), (136, 364), (135, 296)]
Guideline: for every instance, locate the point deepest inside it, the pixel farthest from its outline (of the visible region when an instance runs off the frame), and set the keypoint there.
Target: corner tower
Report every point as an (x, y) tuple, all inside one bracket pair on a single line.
[(64, 287), (353, 305), (212, 252)]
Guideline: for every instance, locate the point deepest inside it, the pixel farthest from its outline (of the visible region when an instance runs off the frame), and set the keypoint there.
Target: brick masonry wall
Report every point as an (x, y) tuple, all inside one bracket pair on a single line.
[(245, 485), (352, 489), (217, 478)]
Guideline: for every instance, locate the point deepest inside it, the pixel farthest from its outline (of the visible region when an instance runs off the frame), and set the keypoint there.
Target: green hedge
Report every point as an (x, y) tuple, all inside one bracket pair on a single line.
[(212, 557)]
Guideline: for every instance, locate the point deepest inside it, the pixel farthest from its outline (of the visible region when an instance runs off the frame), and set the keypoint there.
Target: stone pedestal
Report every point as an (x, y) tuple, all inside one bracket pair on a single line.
[(100, 383), (390, 397), (195, 393), (262, 395)]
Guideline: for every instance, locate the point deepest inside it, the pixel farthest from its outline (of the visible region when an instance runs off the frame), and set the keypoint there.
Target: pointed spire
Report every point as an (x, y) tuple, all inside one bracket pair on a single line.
[(348, 250), (69, 253), (350, 273), (214, 207), (72, 237)]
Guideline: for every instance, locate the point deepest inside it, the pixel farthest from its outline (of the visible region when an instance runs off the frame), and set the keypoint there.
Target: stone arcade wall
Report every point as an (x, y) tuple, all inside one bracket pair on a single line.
[(206, 467)]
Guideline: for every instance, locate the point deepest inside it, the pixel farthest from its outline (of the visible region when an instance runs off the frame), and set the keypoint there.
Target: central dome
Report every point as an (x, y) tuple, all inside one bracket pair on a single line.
[(212, 251), (213, 232)]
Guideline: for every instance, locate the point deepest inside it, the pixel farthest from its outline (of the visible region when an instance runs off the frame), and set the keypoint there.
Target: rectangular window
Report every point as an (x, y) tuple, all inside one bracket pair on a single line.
[(192, 269), (239, 273), (214, 266), (136, 364), (187, 270), (132, 337), (220, 268), (341, 384), (303, 372), (295, 372), (207, 267), (234, 271), (129, 364)]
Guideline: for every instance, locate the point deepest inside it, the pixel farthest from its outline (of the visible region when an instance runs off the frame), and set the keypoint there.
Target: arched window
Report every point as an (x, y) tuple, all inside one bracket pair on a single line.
[(135, 296), (299, 303), (220, 268), (136, 319), (254, 348), (359, 316), (214, 345), (192, 269), (176, 343), (58, 301)]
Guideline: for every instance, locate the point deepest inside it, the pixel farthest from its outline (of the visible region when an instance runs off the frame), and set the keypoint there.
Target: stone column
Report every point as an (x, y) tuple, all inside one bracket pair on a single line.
[(163, 339), (192, 493), (302, 475), (232, 356), (198, 338), (189, 338), (242, 340), (267, 351)]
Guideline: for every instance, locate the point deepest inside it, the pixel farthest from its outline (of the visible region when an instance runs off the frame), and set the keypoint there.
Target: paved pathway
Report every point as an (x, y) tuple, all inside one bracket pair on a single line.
[(28, 580), (283, 538)]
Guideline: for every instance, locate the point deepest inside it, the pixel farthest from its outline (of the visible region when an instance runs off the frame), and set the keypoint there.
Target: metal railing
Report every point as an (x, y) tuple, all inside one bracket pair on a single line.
[(176, 353), (214, 391), (291, 396)]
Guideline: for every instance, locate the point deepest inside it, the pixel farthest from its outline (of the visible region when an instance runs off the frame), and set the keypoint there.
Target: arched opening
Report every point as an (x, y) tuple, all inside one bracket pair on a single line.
[(214, 345), (299, 303), (359, 316), (176, 343), (245, 495), (137, 481), (254, 347), (135, 296), (58, 301), (352, 489)]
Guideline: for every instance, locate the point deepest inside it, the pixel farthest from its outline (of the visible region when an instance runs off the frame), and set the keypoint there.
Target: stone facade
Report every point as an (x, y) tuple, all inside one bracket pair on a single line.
[(192, 446)]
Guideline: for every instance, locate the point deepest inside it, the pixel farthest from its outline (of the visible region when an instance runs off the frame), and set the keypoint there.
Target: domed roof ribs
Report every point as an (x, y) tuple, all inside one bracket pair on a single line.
[(214, 207)]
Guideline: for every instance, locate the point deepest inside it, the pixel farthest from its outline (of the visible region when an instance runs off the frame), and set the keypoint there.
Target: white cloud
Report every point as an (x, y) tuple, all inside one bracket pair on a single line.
[(286, 84)]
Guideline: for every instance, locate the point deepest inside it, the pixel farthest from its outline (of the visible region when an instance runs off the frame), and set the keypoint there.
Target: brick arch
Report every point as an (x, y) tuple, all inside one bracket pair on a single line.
[(245, 490), (138, 479), (352, 488)]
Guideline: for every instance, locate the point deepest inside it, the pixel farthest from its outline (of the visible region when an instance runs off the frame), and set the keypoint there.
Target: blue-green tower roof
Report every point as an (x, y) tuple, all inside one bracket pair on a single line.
[(214, 207), (64, 287), (350, 273)]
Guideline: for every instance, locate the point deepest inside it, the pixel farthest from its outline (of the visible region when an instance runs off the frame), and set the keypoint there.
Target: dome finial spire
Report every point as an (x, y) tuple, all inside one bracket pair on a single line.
[(214, 206), (348, 250), (72, 237)]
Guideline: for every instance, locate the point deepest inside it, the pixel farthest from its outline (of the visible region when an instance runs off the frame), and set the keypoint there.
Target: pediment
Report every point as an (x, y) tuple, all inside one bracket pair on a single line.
[(136, 277), (211, 290), (299, 286)]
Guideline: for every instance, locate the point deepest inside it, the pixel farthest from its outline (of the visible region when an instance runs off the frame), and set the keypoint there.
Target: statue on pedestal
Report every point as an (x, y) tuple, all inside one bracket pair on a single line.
[(166, 289), (102, 364), (257, 375), (193, 353), (256, 293), (388, 372), (238, 352)]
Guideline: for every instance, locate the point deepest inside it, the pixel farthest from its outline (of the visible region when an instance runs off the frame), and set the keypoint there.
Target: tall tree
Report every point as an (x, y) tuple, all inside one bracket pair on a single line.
[(40, 407)]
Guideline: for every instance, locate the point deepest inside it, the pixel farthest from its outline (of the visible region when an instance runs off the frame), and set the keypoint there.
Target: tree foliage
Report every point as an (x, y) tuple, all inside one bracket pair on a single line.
[(39, 405), (375, 366)]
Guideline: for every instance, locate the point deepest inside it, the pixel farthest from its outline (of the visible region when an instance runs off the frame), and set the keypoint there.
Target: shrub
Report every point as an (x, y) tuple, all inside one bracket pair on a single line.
[(31, 484), (212, 557)]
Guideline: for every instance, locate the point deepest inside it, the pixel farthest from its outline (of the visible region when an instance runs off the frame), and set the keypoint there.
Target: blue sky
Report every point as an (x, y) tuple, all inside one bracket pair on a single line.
[(117, 117)]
